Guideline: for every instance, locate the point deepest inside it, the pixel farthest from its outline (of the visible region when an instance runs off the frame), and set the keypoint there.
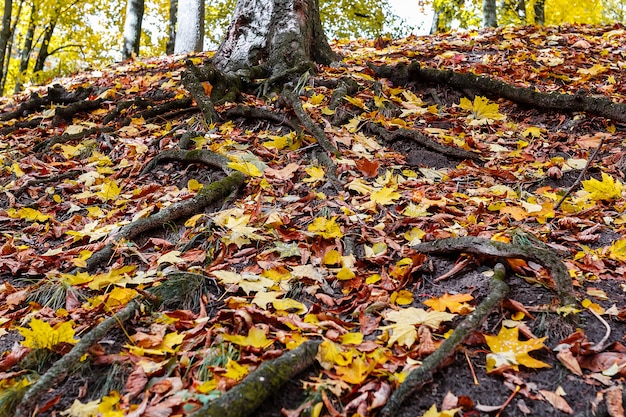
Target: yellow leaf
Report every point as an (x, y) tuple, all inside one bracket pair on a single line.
[(605, 190), (617, 251), (316, 174), (247, 168), (15, 167), (120, 297), (356, 102), (345, 273), (507, 350), (326, 228), (332, 257), (79, 409), (357, 371), (28, 214), (385, 196), (355, 338), (330, 354), (455, 303), (43, 336), (236, 371), (404, 331), (109, 191), (289, 305), (316, 99), (482, 111), (194, 185), (533, 131), (402, 297), (170, 258), (256, 338)]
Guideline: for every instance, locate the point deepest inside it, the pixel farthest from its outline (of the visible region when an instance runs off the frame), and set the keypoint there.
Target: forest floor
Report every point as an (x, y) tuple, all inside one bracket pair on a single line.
[(230, 271)]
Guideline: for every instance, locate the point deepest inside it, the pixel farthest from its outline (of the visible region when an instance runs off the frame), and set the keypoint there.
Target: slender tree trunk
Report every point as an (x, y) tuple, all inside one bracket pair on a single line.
[(43, 47), (277, 35), (9, 48), (132, 28), (434, 26), (5, 34), (27, 47), (489, 13), (190, 29), (521, 11), (171, 39), (540, 12)]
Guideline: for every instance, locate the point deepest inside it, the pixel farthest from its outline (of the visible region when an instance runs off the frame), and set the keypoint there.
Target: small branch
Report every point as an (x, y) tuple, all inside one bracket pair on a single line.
[(419, 376), (581, 176), (60, 369), (598, 347), (249, 394)]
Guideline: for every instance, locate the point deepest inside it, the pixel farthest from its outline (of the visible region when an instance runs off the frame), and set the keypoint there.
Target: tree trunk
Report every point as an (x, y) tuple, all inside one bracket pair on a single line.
[(489, 14), (277, 35), (540, 12), (171, 37), (190, 30), (6, 32), (434, 26), (43, 47), (9, 47), (132, 28), (27, 47)]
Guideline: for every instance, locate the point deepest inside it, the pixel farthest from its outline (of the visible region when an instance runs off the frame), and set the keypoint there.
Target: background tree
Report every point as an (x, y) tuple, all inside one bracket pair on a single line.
[(132, 28), (276, 34), (190, 28), (171, 31), (489, 13)]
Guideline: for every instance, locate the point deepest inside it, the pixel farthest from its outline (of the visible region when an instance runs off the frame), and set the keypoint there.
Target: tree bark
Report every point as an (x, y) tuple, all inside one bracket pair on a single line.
[(540, 12), (9, 47), (5, 34), (43, 47), (132, 28), (277, 35), (171, 37), (27, 47), (489, 14), (190, 30)]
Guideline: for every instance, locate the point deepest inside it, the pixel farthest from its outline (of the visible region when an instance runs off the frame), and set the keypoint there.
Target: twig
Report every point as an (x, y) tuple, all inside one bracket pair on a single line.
[(581, 176), (600, 345)]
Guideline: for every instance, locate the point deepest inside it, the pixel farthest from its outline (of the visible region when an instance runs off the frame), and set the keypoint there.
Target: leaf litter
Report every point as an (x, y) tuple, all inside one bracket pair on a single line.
[(289, 259)]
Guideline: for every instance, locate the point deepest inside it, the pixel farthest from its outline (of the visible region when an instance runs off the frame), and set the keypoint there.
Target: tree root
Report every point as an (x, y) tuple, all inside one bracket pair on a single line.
[(582, 101), (203, 156), (195, 88), (46, 180), (419, 376), (47, 144), (209, 194), (479, 246), (57, 94), (256, 113), (423, 141), (61, 368), (255, 388)]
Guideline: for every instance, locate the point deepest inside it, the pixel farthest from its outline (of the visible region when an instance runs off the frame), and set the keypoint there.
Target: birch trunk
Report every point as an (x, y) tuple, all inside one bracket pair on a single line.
[(132, 28), (277, 35), (190, 28)]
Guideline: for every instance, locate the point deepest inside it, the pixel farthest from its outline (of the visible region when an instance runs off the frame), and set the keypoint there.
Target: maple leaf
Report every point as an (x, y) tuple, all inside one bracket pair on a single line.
[(508, 351), (455, 303), (109, 190), (605, 190), (482, 111), (326, 228), (617, 250), (405, 321), (240, 233), (42, 335), (385, 196), (316, 174), (256, 338)]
